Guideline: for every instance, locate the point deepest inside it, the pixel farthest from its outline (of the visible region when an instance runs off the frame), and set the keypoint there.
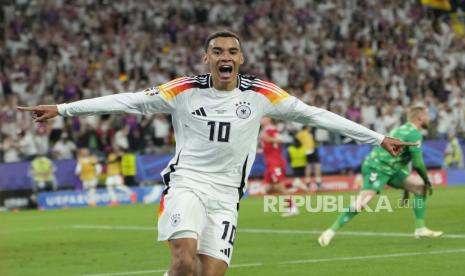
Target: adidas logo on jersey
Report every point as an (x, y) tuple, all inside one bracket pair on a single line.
[(226, 252), (199, 112)]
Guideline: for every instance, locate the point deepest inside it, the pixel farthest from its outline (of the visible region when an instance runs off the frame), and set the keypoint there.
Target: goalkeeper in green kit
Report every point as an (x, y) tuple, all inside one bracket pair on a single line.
[(381, 168)]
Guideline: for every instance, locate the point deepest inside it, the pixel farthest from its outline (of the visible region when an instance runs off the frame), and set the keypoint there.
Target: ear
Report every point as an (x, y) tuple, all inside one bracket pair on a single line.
[(241, 59), (205, 59)]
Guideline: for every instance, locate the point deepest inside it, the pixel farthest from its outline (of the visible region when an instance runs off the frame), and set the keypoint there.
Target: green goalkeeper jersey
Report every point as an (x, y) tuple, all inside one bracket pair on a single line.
[(383, 161)]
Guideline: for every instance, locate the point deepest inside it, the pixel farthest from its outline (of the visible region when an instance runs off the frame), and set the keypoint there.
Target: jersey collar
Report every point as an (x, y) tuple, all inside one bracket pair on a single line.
[(210, 81)]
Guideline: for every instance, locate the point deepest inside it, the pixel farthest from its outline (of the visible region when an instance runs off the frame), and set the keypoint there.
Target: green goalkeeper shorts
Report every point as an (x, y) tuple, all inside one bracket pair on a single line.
[(374, 179)]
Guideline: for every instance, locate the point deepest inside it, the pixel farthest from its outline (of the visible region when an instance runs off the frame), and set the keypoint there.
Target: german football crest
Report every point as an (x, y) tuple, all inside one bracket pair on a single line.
[(243, 110), (175, 219)]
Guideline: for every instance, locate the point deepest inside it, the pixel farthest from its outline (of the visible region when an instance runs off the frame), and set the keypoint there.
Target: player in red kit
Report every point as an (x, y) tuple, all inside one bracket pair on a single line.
[(275, 163)]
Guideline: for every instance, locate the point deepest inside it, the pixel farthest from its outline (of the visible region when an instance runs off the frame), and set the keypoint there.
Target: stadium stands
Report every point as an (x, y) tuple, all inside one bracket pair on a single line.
[(366, 60)]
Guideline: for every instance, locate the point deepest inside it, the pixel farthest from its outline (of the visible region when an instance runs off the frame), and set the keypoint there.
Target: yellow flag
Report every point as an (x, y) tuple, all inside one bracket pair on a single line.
[(437, 4), (457, 23)]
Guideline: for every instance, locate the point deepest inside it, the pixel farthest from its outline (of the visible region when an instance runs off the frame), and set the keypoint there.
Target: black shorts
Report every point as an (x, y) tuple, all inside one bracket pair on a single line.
[(298, 172), (313, 157)]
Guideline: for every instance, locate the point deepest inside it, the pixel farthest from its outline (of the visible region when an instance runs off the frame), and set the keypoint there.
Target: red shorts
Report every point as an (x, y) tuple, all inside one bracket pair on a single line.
[(275, 174)]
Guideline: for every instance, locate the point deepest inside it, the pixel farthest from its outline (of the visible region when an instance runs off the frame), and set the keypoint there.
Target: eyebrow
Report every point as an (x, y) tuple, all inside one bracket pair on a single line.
[(229, 49)]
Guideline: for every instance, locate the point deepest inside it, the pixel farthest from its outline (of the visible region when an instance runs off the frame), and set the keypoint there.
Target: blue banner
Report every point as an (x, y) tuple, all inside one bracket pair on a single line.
[(14, 176), (72, 199), (343, 157), (455, 177)]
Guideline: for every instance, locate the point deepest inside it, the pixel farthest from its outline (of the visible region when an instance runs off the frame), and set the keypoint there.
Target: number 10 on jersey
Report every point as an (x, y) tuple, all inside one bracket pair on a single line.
[(223, 130)]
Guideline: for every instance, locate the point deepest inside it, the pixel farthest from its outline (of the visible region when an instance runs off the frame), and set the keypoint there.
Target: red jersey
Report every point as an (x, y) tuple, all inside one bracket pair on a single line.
[(272, 152)]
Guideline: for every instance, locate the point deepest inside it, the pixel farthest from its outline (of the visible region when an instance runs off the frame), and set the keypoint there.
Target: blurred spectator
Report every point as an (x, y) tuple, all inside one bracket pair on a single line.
[(368, 113), (42, 173), (353, 112), (28, 147), (121, 140), (354, 57), (453, 155), (390, 119), (88, 170), (313, 158), (129, 168), (10, 149), (89, 138), (104, 132), (57, 125), (64, 148), (161, 128), (115, 180), (41, 139), (8, 116), (446, 121), (297, 158)]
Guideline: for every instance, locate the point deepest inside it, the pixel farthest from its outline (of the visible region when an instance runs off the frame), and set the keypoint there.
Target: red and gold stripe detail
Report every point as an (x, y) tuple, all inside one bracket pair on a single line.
[(270, 90), (175, 87), (162, 206)]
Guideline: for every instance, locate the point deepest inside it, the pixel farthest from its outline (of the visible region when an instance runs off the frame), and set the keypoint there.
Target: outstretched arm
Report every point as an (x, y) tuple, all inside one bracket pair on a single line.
[(291, 108), (146, 102)]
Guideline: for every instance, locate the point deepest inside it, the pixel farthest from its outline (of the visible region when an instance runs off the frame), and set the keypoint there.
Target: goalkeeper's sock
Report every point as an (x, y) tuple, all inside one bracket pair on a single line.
[(343, 219), (419, 210)]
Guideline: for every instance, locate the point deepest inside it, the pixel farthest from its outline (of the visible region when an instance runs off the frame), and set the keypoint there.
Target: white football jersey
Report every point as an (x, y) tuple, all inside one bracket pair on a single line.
[(216, 131)]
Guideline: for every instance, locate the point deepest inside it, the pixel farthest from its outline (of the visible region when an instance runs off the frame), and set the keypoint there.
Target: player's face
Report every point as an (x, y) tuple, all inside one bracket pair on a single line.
[(84, 152), (425, 120), (224, 57), (265, 121)]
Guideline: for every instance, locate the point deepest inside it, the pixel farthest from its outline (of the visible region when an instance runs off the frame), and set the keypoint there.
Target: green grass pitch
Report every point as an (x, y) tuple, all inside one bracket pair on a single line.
[(116, 241)]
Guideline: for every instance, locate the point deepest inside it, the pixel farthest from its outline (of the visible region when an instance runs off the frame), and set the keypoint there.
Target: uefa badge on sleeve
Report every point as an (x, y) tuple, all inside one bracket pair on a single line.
[(152, 91)]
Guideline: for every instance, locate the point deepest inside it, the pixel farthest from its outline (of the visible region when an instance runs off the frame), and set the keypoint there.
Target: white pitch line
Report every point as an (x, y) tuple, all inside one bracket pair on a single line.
[(305, 261), (114, 227), (34, 229), (272, 231), (246, 265), (343, 233), (130, 273), (436, 252), (164, 270)]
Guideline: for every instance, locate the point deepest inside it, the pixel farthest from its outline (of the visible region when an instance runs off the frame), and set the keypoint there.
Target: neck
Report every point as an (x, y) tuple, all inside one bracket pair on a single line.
[(229, 86), (416, 124)]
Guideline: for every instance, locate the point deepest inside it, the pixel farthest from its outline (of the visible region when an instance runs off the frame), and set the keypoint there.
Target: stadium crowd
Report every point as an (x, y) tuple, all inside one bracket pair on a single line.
[(366, 60)]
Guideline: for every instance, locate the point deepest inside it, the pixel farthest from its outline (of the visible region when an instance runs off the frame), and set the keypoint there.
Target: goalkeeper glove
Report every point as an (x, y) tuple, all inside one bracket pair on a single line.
[(405, 197), (428, 187)]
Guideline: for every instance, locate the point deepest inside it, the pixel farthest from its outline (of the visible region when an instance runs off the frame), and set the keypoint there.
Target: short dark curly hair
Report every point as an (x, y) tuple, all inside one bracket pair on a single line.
[(220, 34)]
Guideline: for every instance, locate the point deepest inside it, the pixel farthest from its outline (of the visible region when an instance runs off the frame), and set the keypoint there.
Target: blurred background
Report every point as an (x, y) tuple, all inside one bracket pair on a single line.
[(365, 60)]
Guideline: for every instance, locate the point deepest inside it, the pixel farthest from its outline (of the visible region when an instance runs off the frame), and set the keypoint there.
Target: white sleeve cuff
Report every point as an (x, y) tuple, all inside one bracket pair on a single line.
[(62, 109)]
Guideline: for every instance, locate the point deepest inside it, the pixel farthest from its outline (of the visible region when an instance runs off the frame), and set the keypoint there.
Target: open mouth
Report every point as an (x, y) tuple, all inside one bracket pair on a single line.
[(225, 71)]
